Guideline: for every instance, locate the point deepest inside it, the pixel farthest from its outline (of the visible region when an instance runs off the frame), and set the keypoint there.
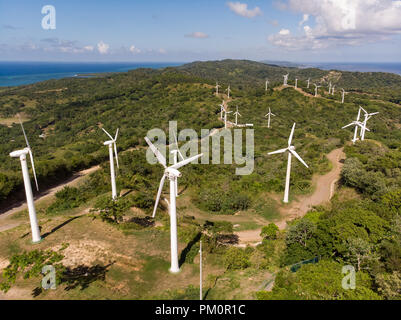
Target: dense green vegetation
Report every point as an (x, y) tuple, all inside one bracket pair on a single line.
[(361, 230)]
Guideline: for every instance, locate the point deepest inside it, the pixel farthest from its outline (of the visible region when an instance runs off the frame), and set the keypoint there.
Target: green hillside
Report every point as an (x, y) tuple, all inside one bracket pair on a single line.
[(362, 220)]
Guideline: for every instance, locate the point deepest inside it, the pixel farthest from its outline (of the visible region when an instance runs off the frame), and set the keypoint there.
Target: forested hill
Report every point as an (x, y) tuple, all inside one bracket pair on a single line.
[(69, 112)]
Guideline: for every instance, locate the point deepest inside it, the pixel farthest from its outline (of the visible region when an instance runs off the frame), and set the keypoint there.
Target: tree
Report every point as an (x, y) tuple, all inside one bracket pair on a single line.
[(359, 253), (235, 259), (111, 210), (389, 285), (270, 231), (300, 232)]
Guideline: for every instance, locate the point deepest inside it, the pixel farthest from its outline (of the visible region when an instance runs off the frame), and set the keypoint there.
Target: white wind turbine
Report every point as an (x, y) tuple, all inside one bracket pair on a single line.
[(316, 88), (285, 79), (332, 89), (112, 145), (330, 86), (236, 113), (267, 82), (222, 109), (176, 153), (172, 174), (357, 124), (22, 155), (308, 83), (268, 115), (343, 95), (291, 151), (217, 88), (225, 118), (367, 117), (228, 92), (296, 83)]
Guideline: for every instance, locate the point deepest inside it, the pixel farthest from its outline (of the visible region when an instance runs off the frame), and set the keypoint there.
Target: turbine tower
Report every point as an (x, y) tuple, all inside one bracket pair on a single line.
[(316, 89), (268, 115), (308, 83), (236, 113), (343, 95), (112, 145), (291, 151), (217, 88), (357, 124), (222, 109), (296, 83), (367, 117), (22, 155), (172, 174), (225, 118), (228, 92), (200, 271), (332, 89), (330, 86), (267, 82)]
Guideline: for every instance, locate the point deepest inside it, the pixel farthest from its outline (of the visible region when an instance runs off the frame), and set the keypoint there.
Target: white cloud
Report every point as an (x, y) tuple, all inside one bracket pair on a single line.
[(102, 47), (198, 35), (241, 9), (134, 49), (342, 22), (88, 48), (284, 32)]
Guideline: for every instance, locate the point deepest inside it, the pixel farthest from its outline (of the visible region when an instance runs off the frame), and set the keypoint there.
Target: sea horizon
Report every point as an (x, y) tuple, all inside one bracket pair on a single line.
[(17, 73)]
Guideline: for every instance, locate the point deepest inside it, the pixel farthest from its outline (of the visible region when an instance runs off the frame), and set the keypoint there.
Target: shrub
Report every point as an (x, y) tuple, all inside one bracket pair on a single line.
[(236, 259), (269, 232)]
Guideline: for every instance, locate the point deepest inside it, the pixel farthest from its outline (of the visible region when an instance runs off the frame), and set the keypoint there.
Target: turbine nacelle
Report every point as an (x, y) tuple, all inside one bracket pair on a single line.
[(172, 173), (19, 153)]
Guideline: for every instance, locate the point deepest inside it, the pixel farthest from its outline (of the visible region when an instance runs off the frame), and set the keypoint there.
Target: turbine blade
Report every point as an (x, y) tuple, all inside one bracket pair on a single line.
[(273, 114), (33, 169), (108, 134), (278, 151), (178, 149), (291, 135), (159, 156), (359, 114), (348, 125), (372, 114), (186, 161), (23, 131), (115, 151), (299, 158), (159, 192), (116, 134)]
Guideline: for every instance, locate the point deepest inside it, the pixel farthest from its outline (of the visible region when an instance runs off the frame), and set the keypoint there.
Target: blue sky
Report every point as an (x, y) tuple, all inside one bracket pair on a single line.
[(177, 30)]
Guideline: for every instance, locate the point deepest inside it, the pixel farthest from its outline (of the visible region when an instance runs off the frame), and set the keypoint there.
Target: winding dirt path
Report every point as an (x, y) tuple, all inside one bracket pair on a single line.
[(46, 194), (324, 191)]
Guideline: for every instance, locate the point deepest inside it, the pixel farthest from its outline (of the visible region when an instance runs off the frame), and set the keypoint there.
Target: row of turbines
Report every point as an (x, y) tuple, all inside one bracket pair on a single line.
[(170, 172)]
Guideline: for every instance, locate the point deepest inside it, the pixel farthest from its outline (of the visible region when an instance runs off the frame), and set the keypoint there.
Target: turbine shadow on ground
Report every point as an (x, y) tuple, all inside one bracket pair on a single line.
[(188, 248)]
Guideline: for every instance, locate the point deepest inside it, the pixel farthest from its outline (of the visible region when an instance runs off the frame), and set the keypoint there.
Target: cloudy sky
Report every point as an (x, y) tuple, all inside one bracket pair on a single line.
[(183, 30)]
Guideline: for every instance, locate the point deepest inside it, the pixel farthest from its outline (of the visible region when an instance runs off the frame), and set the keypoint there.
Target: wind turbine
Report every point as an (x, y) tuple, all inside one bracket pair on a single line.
[(222, 109), (172, 174), (367, 117), (228, 92), (176, 153), (343, 95), (112, 145), (291, 151), (285, 79), (267, 82), (268, 115), (316, 87), (308, 83), (357, 124), (225, 118), (236, 113), (332, 89), (22, 155), (217, 88), (296, 83)]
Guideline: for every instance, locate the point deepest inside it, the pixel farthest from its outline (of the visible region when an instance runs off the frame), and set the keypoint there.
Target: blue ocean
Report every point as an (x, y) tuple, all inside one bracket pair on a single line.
[(392, 67), (20, 73)]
